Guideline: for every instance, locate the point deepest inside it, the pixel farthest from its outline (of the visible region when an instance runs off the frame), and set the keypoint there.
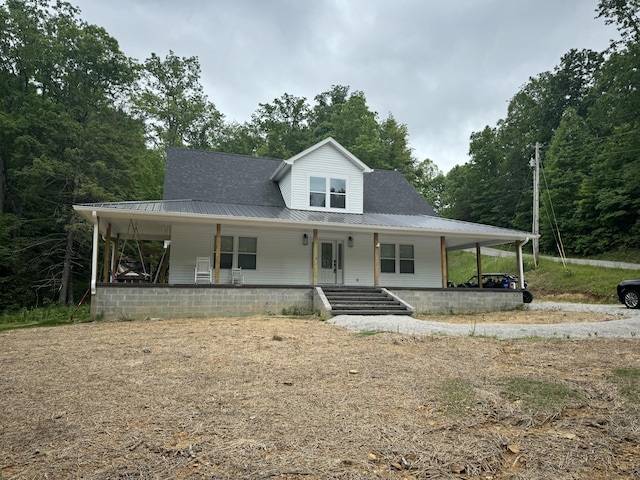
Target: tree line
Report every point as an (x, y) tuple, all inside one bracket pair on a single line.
[(585, 114), (80, 122)]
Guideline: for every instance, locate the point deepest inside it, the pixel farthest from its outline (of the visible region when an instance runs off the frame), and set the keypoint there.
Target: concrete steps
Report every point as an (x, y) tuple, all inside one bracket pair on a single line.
[(363, 301)]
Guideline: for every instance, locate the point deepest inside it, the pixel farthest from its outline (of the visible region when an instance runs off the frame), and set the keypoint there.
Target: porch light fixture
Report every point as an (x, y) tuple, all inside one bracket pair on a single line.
[(305, 239), (350, 241)]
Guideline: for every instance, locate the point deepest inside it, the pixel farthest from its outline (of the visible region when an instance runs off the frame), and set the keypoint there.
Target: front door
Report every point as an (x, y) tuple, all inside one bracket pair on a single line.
[(331, 253)]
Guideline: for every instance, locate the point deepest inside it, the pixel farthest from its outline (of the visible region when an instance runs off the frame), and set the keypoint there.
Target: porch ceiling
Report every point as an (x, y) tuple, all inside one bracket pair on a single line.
[(153, 221)]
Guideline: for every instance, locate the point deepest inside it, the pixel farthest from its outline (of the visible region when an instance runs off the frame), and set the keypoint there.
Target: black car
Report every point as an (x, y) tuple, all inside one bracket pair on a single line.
[(629, 293), (498, 280)]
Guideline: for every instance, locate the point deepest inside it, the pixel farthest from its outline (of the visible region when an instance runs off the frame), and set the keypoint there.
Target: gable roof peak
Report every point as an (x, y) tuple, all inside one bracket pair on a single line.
[(286, 164)]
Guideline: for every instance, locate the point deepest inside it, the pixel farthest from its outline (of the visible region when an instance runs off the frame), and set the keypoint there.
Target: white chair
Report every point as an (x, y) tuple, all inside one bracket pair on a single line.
[(237, 278), (203, 270)]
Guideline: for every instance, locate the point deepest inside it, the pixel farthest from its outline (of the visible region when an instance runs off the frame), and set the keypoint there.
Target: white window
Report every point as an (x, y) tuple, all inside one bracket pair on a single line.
[(327, 192), (406, 258), (317, 192), (387, 258), (226, 252), (396, 258), (245, 252)]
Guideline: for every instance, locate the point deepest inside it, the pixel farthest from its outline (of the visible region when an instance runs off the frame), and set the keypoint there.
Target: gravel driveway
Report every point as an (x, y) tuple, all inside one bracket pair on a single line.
[(628, 326)]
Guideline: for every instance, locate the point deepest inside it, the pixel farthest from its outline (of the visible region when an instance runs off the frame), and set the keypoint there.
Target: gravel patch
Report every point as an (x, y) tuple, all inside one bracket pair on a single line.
[(628, 326)]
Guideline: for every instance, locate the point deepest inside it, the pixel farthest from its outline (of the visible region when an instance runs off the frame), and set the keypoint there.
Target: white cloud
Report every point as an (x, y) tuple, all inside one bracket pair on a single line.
[(445, 69)]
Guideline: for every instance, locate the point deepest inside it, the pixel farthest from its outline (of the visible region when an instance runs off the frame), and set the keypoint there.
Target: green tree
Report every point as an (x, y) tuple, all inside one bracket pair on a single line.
[(625, 14), (454, 198), (609, 204), (173, 105), (64, 140), (282, 126), (328, 104), (429, 182), (240, 138), (396, 153), (567, 164), (347, 117)]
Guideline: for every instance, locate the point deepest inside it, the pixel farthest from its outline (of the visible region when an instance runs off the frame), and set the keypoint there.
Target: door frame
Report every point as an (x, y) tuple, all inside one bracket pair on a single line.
[(337, 259)]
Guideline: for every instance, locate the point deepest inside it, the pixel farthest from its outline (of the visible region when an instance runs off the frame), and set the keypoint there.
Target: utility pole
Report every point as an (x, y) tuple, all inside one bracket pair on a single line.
[(536, 205)]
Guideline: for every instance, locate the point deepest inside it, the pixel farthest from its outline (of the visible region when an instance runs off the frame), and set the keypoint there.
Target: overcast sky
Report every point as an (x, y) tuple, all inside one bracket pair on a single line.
[(445, 68)]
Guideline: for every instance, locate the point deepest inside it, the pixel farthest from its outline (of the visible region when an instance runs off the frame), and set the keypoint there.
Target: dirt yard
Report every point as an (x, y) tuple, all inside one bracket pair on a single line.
[(265, 398)]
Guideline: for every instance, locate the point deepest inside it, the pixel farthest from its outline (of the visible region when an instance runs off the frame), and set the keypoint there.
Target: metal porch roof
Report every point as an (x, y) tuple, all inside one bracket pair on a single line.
[(154, 218)]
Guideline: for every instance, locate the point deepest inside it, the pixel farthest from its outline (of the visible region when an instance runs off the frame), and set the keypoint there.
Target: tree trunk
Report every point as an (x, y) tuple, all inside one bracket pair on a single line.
[(66, 288)]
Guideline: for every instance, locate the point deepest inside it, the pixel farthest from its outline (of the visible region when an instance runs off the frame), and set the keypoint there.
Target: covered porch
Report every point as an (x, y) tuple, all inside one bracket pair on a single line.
[(289, 256)]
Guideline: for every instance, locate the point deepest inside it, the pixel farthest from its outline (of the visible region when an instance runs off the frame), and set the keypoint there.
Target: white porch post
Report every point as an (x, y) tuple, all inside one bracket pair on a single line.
[(520, 264), (376, 259), (479, 264), (216, 260), (314, 260), (94, 256)]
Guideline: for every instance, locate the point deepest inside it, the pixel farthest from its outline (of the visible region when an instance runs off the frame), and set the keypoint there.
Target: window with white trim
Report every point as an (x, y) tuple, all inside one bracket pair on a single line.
[(327, 192), (247, 252), (240, 251), (226, 252), (406, 259), (387, 258), (396, 258)]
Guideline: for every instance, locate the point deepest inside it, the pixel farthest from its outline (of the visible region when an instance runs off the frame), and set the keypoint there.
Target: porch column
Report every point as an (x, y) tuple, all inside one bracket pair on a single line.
[(107, 255), (216, 261), (314, 254), (520, 265), (444, 264), (115, 260), (165, 264), (479, 264), (94, 252), (376, 260)]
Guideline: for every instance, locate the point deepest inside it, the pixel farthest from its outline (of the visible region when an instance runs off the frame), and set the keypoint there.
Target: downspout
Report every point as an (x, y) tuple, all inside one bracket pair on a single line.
[(521, 263), (94, 256)]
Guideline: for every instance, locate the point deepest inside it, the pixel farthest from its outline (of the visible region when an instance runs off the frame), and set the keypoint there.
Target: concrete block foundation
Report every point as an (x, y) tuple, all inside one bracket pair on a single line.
[(131, 301)]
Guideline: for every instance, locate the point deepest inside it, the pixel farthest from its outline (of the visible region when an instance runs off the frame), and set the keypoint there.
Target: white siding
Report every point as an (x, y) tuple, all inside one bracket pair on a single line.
[(285, 188), (358, 260), (326, 161), (282, 259), (426, 251), (187, 243)]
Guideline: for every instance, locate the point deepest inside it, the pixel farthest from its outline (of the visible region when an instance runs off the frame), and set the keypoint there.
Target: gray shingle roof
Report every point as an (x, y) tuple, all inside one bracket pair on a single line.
[(220, 177), (388, 191), (244, 180)]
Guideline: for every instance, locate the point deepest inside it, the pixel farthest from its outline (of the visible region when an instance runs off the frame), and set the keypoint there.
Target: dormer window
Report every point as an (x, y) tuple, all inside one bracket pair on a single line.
[(327, 192)]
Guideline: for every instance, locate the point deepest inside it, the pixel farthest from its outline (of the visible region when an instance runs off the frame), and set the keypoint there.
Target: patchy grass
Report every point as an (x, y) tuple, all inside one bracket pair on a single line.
[(549, 280), (271, 397), (540, 395), (368, 333), (43, 317), (628, 381), (456, 396)]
